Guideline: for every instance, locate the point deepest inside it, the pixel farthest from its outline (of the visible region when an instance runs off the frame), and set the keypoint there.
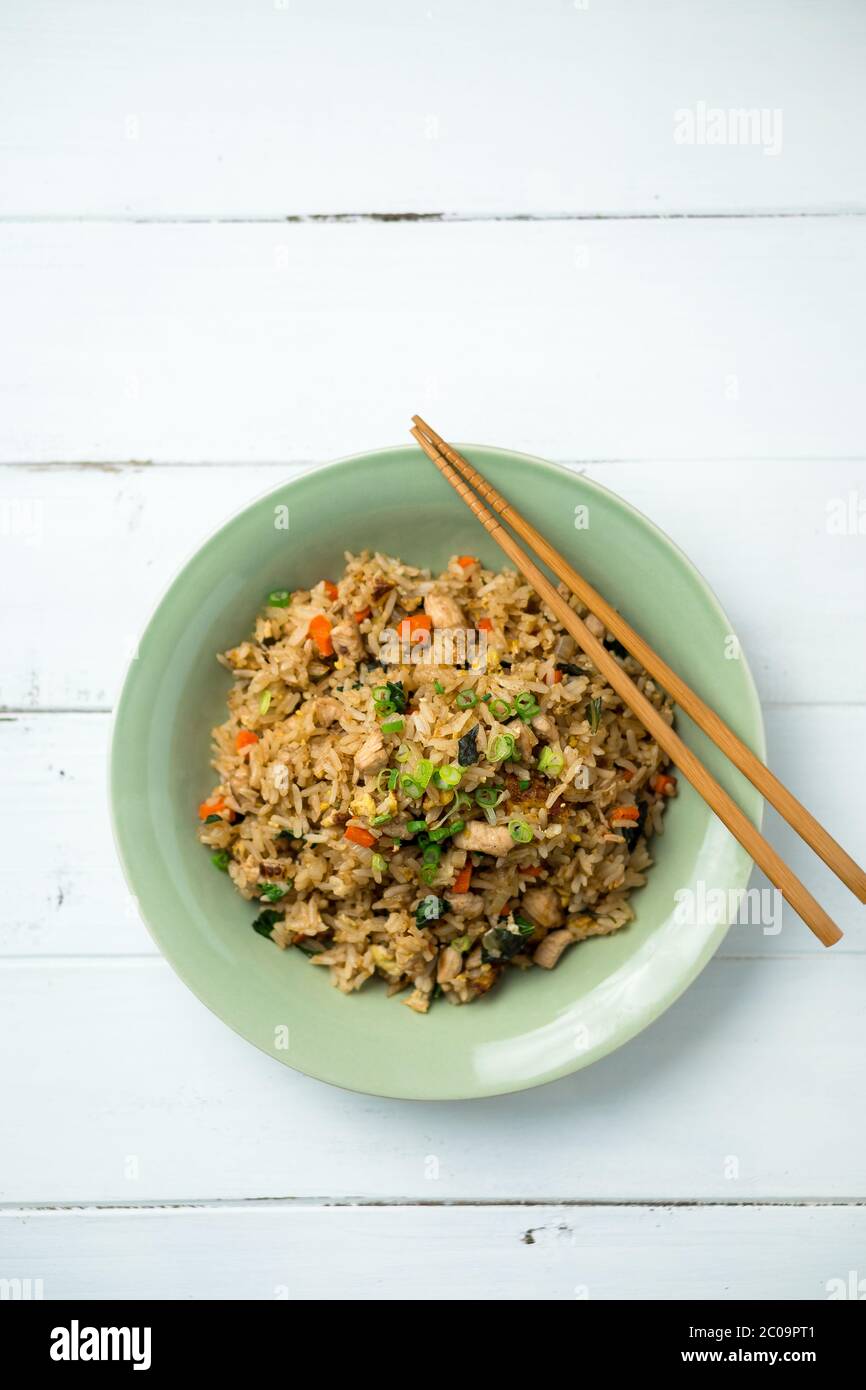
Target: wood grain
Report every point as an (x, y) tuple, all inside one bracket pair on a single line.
[(592, 340), (736, 1093), (291, 108), (555, 1253)]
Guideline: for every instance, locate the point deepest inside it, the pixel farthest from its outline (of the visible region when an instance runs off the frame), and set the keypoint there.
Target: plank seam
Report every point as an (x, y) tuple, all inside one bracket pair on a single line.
[(427, 218), (28, 1209)]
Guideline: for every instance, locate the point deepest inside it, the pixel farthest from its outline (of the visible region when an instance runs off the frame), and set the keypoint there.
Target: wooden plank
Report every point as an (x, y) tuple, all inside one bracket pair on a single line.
[(64, 894), (288, 108), (592, 340), (554, 1253), (741, 1092), (118, 538)]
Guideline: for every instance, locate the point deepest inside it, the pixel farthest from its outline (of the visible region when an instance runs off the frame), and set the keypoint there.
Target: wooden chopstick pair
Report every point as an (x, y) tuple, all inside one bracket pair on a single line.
[(447, 460)]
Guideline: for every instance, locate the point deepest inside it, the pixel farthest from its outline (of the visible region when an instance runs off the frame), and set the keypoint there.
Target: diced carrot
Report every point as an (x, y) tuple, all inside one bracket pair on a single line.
[(320, 631), (244, 739), (211, 807), (359, 836), (557, 678), (415, 626), (331, 590), (463, 880), (466, 560), (663, 784), (484, 625), (627, 774), (505, 910), (625, 813), (361, 614), (532, 871)]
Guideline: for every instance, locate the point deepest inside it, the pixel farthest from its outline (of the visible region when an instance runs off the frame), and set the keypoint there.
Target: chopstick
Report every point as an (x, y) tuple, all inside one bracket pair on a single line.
[(778, 795), (731, 815)]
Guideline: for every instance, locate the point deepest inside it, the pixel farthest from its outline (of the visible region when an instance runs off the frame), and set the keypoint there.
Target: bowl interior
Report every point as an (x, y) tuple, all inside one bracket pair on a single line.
[(535, 1026)]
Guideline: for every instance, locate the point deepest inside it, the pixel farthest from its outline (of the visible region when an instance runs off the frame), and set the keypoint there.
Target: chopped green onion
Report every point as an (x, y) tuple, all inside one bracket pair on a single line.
[(412, 788), (272, 892), (394, 724), (403, 753), (460, 803), (265, 702), (526, 705), (448, 775), (279, 598), (221, 860), (428, 873), (415, 825), (422, 772), (552, 761), (489, 815), (461, 943), (443, 831), (380, 820), (502, 705), (595, 713), (524, 784), (432, 854), (466, 699), (379, 863), (439, 687), (485, 699), (380, 694), (386, 780), (520, 831), (488, 796), (209, 820), (500, 748)]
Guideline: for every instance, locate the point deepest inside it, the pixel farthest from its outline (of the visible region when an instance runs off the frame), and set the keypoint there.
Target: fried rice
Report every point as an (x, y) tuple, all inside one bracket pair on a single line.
[(422, 778)]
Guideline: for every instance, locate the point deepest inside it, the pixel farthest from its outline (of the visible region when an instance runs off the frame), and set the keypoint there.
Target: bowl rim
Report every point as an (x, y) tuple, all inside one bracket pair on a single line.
[(663, 1000)]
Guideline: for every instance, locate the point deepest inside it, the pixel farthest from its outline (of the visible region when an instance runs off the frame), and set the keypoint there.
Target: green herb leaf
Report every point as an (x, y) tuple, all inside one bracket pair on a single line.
[(467, 747), (266, 921), (595, 713), (429, 910), (272, 892)]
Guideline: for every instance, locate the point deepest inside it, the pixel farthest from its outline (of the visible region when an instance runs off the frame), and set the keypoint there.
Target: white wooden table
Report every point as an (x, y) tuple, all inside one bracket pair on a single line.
[(241, 238)]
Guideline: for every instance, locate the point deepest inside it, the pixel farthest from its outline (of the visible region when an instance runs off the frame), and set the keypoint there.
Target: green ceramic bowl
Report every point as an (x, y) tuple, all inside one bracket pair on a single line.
[(534, 1027)]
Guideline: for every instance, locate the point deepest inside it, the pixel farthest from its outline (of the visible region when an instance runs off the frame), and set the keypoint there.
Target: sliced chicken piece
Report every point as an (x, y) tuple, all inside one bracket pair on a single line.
[(372, 755), (545, 727), (523, 737), (327, 710), (443, 611), (468, 905), (347, 641), (551, 948), (481, 838), (543, 906), (450, 964)]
